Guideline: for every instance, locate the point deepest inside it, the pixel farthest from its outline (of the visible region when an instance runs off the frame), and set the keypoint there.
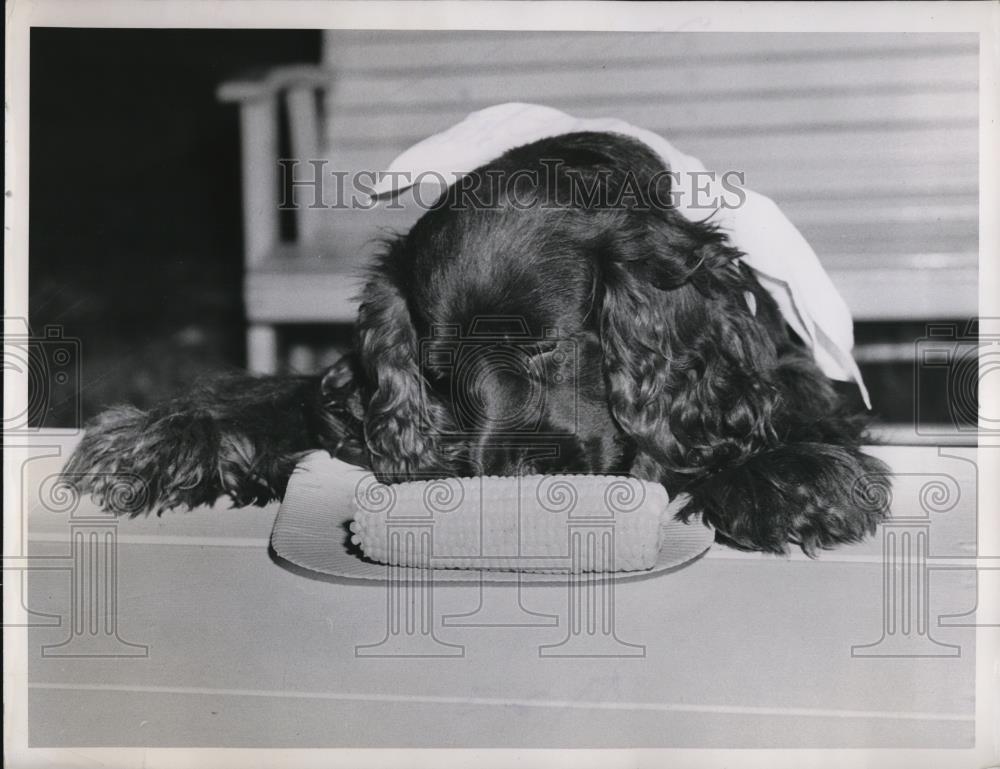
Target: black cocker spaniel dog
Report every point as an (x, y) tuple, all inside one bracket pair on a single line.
[(540, 318)]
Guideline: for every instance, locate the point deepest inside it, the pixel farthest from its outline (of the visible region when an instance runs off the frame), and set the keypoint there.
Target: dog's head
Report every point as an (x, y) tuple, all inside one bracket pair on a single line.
[(553, 313)]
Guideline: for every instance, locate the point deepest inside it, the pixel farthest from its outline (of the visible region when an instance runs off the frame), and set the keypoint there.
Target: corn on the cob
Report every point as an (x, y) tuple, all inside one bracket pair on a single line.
[(572, 523)]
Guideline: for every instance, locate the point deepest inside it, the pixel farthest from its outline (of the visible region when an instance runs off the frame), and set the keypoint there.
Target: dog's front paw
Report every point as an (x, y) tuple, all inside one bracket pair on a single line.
[(816, 496), (823, 524), (130, 461)]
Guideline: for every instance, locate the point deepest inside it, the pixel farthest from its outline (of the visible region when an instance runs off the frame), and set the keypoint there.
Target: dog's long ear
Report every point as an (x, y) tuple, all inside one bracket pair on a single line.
[(686, 358), (340, 415), (720, 404), (398, 426)]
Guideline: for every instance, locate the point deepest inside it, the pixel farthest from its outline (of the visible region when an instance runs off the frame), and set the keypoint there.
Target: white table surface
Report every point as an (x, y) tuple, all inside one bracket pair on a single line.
[(740, 650)]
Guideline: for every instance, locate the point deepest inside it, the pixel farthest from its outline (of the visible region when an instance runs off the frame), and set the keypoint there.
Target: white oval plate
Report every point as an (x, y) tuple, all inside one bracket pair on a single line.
[(311, 531)]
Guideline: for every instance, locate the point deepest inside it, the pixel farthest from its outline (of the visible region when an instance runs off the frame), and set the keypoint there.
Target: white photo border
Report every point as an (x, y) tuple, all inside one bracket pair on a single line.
[(21, 15)]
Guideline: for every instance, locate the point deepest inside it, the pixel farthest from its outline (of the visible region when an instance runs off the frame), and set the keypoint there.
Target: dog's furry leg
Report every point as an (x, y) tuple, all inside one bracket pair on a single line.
[(237, 436), (814, 488), (815, 495)]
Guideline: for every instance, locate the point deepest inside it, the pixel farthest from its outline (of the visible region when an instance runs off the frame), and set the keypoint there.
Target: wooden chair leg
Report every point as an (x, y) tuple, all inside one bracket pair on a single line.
[(262, 349)]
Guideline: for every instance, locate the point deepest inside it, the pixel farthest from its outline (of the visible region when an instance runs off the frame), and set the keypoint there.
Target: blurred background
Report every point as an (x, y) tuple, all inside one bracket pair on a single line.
[(158, 238), (135, 212)]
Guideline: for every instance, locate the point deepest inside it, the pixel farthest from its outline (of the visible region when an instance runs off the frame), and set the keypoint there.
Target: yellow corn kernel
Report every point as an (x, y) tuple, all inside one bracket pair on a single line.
[(551, 523)]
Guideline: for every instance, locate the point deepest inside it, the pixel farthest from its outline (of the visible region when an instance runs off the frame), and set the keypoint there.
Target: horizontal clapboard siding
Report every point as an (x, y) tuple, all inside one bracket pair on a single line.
[(869, 142), (724, 115)]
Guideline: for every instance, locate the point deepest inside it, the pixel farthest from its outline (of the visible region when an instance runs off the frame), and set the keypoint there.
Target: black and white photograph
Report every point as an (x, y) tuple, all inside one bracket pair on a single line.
[(509, 383)]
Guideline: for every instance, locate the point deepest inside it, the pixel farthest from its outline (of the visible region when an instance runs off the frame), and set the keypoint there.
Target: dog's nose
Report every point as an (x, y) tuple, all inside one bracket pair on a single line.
[(487, 458), (490, 457)]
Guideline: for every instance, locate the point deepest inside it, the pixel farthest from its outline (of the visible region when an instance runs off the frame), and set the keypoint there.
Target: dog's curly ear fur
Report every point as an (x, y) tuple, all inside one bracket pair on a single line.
[(340, 415), (398, 424), (719, 402), (686, 360)]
